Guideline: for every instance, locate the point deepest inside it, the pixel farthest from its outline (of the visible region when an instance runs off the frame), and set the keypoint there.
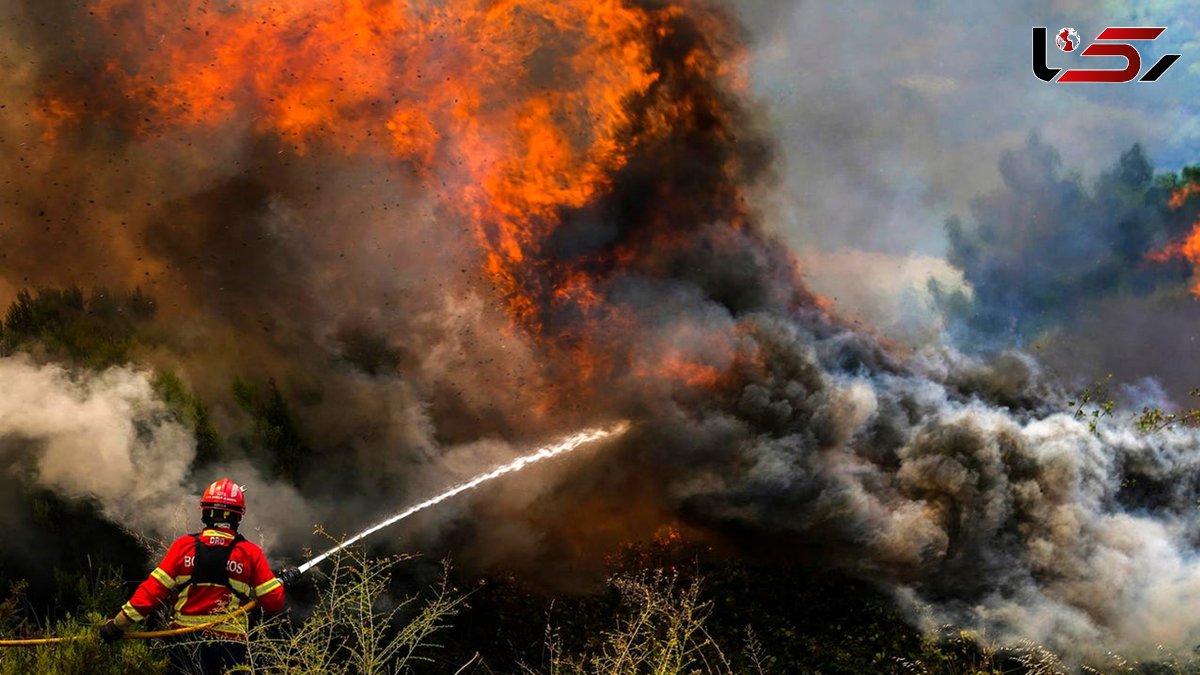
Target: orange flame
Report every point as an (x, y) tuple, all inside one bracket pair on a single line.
[(1181, 195), (1189, 247), (52, 115), (521, 107), (677, 368), (520, 110)]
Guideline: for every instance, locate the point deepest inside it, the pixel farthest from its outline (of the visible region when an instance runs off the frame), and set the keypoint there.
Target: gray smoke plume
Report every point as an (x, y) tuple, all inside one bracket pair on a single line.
[(1009, 517), (106, 438), (94, 437)]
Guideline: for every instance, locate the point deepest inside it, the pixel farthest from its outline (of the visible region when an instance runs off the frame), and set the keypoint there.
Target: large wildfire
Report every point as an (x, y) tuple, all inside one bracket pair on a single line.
[(540, 213), (532, 122)]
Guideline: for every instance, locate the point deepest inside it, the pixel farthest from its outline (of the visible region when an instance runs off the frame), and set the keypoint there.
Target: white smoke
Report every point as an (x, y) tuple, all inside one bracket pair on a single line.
[(99, 436), (105, 437)]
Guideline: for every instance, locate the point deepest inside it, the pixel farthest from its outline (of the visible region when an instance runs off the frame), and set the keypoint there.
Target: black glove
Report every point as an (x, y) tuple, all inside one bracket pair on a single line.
[(288, 576), (110, 632)]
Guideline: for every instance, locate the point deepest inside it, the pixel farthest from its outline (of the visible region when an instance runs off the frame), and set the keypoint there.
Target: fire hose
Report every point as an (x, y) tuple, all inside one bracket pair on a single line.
[(565, 445), (136, 635)]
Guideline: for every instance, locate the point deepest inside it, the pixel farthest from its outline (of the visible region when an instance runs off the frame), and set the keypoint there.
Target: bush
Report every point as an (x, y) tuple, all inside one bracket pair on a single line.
[(83, 653), (661, 632), (355, 626), (188, 409), (99, 330)]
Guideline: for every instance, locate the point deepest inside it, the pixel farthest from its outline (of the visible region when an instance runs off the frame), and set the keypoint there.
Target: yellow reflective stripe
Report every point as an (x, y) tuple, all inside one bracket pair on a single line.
[(234, 582), (163, 578), (216, 533), (122, 620), (266, 587), (197, 619), (239, 586), (132, 613), (238, 624), (183, 597)]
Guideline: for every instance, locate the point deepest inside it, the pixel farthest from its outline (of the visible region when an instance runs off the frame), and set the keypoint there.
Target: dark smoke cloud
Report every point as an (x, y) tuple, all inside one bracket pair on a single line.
[(953, 479)]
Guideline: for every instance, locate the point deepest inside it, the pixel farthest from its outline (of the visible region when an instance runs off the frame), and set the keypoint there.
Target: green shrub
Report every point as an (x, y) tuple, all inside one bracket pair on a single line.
[(274, 428), (82, 653), (189, 410), (98, 330)]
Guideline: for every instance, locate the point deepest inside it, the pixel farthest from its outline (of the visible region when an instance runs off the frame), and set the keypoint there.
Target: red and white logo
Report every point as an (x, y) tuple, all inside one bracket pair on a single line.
[(1067, 40), (1113, 41)]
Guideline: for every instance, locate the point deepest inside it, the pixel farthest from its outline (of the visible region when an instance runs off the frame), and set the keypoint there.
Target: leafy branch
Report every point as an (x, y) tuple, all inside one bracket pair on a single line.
[(1094, 403), (1153, 420)]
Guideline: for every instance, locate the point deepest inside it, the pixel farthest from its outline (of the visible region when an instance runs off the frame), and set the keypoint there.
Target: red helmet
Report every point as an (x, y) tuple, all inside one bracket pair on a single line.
[(224, 495)]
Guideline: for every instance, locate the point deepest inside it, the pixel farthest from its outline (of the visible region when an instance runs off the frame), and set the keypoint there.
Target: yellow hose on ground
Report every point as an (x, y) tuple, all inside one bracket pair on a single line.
[(136, 635)]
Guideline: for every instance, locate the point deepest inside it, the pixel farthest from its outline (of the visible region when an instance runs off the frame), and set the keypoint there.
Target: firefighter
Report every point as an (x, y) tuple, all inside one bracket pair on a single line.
[(211, 573)]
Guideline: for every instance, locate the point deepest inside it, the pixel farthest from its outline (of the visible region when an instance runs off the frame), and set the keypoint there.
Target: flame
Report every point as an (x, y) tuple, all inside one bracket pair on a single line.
[(526, 104), (520, 111), (52, 115), (679, 368), (1187, 248), (823, 303), (1181, 195), (668, 535)]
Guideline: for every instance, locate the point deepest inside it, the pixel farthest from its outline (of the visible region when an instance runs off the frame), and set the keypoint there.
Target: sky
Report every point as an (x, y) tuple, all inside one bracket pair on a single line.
[(891, 117), (914, 102)]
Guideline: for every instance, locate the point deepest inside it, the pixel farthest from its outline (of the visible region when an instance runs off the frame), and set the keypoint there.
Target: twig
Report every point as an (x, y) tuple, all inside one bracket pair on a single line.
[(464, 666)]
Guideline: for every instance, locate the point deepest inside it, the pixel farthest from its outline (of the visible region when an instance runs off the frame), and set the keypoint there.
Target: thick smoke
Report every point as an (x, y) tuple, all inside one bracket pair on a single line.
[(94, 437), (353, 281), (106, 438), (1019, 520)]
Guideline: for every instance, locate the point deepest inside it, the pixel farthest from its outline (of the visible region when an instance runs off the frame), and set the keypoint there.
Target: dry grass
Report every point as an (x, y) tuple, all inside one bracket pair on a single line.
[(356, 626), (660, 632)]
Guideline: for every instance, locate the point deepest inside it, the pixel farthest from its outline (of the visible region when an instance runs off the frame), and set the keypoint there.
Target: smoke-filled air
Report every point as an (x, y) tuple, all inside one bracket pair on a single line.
[(775, 287)]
